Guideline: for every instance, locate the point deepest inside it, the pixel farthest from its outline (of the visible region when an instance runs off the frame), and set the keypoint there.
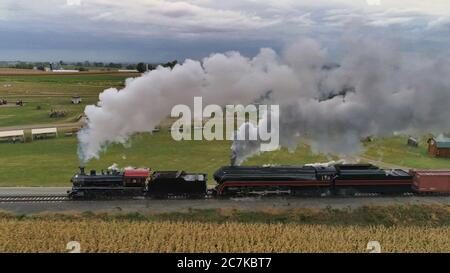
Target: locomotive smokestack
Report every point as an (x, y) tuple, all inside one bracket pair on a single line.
[(233, 158), (82, 170)]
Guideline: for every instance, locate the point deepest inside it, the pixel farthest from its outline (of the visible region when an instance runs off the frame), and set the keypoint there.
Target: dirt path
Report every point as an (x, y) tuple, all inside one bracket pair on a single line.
[(9, 105), (77, 124)]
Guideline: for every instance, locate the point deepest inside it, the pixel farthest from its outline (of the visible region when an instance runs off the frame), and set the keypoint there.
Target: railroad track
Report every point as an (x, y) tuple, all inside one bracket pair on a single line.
[(33, 198)]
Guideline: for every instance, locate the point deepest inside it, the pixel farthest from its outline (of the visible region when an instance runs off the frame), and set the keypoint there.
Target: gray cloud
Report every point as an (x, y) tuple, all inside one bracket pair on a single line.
[(227, 22)]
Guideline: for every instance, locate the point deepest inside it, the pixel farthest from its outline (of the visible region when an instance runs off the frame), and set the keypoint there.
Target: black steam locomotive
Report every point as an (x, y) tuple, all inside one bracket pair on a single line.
[(311, 180), (137, 183), (342, 179)]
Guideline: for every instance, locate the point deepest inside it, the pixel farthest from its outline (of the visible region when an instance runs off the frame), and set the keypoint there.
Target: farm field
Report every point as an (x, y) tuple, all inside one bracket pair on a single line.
[(52, 162), (395, 151), (396, 228), (42, 93), (6, 71)]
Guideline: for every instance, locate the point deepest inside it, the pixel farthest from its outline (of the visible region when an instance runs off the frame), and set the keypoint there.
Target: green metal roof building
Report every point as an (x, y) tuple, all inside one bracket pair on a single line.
[(439, 147)]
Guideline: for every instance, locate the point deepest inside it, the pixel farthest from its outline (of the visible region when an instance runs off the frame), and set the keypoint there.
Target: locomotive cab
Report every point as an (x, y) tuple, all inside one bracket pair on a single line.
[(135, 177)]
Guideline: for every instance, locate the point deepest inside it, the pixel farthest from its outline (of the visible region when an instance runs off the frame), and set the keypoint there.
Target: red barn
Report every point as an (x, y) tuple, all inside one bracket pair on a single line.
[(439, 147)]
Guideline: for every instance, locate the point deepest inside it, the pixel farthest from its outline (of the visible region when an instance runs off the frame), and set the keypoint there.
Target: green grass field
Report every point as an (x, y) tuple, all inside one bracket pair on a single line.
[(42, 93), (52, 162), (395, 151)]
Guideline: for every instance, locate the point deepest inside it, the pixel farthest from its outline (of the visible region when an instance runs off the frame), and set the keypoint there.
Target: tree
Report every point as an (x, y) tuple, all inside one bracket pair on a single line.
[(141, 67), (114, 65), (24, 65), (170, 64)]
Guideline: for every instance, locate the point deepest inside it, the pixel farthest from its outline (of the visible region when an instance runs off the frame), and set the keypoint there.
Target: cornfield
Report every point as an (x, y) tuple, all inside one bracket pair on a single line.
[(33, 235)]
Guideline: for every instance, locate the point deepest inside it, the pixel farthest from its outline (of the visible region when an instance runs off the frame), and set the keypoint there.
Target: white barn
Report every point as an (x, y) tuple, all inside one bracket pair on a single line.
[(12, 135), (44, 133), (66, 71)]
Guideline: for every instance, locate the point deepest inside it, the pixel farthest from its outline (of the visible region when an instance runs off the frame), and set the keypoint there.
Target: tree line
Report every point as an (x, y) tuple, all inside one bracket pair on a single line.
[(86, 65)]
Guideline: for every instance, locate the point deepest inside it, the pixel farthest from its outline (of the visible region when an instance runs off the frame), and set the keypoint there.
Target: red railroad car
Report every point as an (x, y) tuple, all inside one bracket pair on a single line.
[(431, 181)]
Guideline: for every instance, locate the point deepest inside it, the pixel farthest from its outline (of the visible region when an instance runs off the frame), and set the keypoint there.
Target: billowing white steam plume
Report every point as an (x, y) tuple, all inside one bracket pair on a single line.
[(247, 140), (374, 90)]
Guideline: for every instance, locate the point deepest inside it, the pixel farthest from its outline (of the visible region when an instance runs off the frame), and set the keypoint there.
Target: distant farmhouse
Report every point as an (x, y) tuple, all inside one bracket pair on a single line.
[(66, 71), (439, 147), (128, 70), (56, 67)]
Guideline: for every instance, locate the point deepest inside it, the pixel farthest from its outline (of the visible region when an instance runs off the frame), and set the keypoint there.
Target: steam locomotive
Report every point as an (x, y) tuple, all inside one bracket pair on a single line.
[(137, 183), (312, 180), (341, 179)]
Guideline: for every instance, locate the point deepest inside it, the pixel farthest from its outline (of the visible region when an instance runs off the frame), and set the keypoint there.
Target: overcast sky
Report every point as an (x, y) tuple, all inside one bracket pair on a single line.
[(156, 30)]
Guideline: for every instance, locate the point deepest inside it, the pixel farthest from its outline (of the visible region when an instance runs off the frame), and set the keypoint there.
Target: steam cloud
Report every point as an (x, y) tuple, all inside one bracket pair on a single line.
[(374, 90), (245, 148)]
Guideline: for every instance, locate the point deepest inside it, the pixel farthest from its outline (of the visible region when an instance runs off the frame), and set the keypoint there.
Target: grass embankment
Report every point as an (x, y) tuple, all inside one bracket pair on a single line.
[(397, 228), (395, 151)]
